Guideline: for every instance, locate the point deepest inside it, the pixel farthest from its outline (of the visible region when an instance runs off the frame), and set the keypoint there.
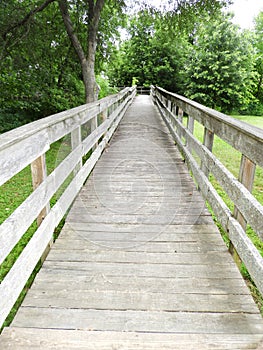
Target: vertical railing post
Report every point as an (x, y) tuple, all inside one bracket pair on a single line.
[(104, 116), (39, 174), (180, 118), (208, 142), (169, 107), (93, 126), (190, 124), (75, 142), (246, 177)]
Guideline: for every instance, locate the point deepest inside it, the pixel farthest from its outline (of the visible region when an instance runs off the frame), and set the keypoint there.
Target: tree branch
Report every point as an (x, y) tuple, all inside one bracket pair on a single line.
[(70, 30), (94, 18), (26, 18), (97, 13)]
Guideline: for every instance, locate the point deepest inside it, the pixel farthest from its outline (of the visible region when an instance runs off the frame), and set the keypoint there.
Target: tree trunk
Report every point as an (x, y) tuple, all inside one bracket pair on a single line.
[(91, 92), (95, 8), (87, 62)]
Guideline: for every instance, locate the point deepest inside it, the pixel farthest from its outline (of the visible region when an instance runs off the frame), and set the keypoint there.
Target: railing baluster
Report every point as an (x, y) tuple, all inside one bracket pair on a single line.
[(208, 142), (93, 126), (180, 118), (75, 141), (244, 138), (39, 174), (190, 124), (246, 177), (28, 145)]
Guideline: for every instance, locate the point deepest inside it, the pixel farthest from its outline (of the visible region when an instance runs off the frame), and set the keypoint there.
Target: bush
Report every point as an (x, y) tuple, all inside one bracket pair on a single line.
[(254, 108), (105, 88), (9, 120)]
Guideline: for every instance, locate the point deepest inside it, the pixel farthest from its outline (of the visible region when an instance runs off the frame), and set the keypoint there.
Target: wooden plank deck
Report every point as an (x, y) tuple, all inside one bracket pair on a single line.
[(139, 263)]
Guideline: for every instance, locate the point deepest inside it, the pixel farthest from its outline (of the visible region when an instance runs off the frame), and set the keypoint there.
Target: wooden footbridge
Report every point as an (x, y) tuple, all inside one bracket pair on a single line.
[(139, 263)]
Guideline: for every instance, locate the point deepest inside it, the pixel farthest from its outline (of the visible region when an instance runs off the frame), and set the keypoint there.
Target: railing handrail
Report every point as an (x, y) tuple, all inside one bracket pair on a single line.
[(54, 127), (247, 130), (28, 144), (245, 138)]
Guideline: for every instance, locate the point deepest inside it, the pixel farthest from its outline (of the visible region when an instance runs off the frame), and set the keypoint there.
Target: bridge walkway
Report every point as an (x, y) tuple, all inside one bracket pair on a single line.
[(139, 263)]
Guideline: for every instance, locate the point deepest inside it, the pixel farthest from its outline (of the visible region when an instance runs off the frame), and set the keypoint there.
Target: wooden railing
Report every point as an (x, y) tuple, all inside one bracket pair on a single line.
[(143, 90), (248, 141), (28, 145)]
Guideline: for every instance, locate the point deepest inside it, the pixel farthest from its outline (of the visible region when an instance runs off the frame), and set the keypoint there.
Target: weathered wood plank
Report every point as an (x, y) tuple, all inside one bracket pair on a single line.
[(75, 142), (21, 219), (108, 273), (244, 137), (13, 159), (39, 174), (143, 270), (143, 237), (251, 209), (246, 177), (152, 247), (15, 280), (35, 138), (192, 218), (32, 338), (247, 206), (140, 321), (12, 285), (247, 252), (180, 229), (143, 301), (210, 285), (219, 258)]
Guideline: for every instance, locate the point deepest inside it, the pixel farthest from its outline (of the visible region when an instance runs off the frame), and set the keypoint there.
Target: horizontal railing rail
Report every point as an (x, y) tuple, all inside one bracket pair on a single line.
[(28, 145), (141, 90), (248, 141)]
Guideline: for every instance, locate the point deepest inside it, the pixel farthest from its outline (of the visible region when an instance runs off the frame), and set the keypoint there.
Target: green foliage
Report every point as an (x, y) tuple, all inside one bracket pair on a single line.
[(150, 56), (220, 66), (105, 88), (258, 43), (42, 80), (47, 79)]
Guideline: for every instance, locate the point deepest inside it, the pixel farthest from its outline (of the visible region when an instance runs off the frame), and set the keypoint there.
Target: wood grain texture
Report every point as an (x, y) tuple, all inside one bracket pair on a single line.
[(244, 137), (139, 263), (33, 338), (249, 208), (16, 224)]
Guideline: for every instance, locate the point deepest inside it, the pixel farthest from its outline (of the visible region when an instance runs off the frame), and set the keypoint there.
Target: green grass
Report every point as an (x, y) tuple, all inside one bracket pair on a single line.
[(231, 159)]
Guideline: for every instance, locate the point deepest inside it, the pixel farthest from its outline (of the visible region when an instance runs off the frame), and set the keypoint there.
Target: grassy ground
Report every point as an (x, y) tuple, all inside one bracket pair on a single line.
[(231, 159)]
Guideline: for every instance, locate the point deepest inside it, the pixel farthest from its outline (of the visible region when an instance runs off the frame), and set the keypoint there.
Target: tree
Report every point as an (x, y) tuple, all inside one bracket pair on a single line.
[(83, 20), (39, 73), (87, 61), (259, 55), (151, 55), (220, 67)]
